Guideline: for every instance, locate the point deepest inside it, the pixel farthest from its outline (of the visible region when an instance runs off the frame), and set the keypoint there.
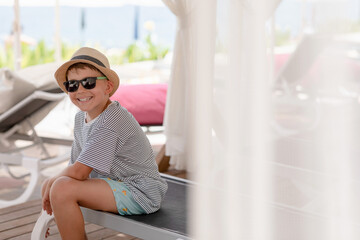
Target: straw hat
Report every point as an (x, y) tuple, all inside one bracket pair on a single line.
[(90, 56)]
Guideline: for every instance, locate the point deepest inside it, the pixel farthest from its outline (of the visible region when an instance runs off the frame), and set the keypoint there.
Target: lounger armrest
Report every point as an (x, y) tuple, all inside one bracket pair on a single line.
[(41, 226)]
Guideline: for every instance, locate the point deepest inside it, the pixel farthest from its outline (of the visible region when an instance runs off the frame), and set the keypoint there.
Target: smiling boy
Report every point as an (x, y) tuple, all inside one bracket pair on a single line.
[(112, 166)]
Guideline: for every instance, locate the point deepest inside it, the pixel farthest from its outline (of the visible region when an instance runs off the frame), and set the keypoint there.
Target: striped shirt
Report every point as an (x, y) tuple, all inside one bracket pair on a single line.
[(116, 147)]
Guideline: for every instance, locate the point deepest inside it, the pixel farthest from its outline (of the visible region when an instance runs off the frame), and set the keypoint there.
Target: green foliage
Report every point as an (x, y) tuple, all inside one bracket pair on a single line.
[(67, 51), (7, 57), (134, 53), (41, 53), (141, 52), (30, 55), (116, 58), (282, 37), (155, 51)]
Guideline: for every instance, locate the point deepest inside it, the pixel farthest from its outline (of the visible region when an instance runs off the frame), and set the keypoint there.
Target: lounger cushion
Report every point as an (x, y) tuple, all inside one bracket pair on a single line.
[(145, 101), (41, 76)]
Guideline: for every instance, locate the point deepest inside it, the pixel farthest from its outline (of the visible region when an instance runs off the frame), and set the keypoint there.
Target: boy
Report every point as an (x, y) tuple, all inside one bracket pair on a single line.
[(112, 166)]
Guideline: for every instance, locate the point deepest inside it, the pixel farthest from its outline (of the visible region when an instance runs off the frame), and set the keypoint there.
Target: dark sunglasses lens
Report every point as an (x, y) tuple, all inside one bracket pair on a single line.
[(71, 86), (89, 83)]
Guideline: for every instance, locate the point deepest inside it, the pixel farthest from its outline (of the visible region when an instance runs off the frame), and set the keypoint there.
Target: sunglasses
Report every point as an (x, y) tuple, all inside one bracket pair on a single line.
[(87, 83)]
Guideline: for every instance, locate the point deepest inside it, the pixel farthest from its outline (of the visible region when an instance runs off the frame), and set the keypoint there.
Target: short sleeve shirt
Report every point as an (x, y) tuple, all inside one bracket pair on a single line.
[(115, 146)]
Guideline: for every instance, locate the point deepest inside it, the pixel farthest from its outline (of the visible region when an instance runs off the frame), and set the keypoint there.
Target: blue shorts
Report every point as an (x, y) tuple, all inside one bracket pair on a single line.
[(125, 202)]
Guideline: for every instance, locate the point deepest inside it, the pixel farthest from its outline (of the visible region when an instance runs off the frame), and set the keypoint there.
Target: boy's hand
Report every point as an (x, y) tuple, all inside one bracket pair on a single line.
[(47, 206), (46, 197)]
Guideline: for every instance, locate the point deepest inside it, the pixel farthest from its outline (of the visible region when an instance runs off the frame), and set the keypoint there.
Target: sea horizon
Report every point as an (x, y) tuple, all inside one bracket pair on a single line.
[(109, 27)]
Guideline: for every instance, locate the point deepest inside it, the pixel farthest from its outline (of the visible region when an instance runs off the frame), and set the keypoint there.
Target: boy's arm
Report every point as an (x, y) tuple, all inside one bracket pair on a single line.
[(77, 171)]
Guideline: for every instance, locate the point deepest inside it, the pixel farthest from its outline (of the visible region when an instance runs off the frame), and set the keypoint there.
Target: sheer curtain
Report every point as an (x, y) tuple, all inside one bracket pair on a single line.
[(231, 134), (177, 113), (273, 157)]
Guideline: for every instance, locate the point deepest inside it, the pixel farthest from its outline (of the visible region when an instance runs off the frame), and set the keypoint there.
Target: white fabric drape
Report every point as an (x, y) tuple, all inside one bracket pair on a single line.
[(270, 161), (232, 135), (177, 113), (180, 111)]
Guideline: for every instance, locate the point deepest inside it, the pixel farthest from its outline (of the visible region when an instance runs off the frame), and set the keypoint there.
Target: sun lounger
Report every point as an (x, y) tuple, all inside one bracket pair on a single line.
[(294, 86), (169, 223), (302, 59), (17, 123)]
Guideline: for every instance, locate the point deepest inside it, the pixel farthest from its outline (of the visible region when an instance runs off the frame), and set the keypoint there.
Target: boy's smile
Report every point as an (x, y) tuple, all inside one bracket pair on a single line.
[(84, 100)]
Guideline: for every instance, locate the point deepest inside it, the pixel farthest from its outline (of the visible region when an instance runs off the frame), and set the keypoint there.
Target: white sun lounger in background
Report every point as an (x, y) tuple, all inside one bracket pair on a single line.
[(288, 99), (17, 123)]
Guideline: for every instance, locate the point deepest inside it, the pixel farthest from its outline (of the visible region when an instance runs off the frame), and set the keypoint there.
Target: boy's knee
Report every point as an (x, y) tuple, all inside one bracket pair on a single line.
[(62, 190)]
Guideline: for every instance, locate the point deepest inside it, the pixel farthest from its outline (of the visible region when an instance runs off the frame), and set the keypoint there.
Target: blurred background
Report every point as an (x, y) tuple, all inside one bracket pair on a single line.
[(262, 101)]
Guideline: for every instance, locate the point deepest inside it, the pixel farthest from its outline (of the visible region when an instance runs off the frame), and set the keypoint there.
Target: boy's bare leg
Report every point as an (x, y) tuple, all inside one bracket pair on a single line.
[(66, 197)]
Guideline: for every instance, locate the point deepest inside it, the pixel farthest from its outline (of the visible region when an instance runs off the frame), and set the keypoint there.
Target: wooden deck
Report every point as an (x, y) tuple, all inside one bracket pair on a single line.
[(17, 222)]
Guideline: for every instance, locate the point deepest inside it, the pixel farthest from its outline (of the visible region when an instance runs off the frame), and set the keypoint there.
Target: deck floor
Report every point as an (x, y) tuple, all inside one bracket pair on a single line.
[(17, 222)]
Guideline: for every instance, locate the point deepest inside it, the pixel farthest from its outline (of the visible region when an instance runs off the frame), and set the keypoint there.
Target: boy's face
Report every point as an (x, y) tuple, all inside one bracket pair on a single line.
[(93, 101)]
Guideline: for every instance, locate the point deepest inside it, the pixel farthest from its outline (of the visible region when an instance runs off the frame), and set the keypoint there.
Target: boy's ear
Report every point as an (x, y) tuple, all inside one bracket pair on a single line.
[(109, 87)]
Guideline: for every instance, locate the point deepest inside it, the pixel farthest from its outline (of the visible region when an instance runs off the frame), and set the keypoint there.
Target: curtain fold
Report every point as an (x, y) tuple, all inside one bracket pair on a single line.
[(177, 113), (232, 136)]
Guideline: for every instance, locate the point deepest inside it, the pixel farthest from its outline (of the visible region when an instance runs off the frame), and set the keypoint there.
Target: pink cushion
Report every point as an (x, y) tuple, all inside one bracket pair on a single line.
[(145, 101)]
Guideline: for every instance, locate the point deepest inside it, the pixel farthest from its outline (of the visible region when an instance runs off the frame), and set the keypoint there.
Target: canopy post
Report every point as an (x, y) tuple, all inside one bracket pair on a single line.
[(57, 32), (17, 34)]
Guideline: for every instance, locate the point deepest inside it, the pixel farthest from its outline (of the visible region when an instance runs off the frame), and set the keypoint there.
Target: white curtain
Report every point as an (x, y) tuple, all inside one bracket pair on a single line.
[(177, 113), (272, 157), (231, 145)]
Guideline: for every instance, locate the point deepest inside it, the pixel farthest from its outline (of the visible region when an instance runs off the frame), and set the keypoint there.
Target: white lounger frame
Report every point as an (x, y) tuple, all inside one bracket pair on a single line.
[(14, 157)]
